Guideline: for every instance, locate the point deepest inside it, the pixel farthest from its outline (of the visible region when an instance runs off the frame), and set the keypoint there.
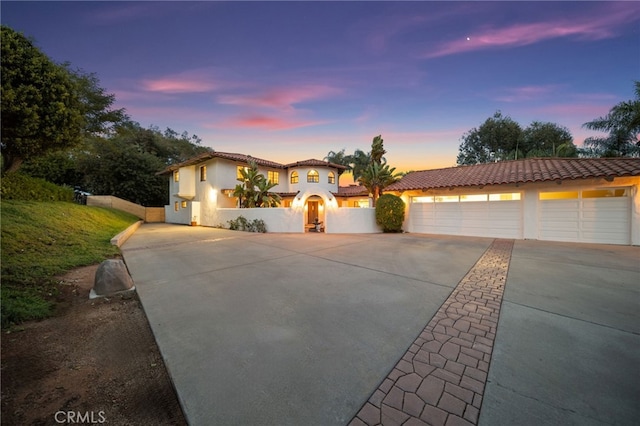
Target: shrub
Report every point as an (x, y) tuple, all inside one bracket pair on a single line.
[(17, 186), (242, 224), (390, 213)]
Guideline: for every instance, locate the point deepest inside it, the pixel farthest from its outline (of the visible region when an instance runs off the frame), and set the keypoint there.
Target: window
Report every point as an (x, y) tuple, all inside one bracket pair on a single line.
[(567, 195), (332, 177), (239, 171), (473, 197), (294, 177), (274, 177), (203, 173), (176, 206), (287, 203), (176, 176), (446, 199), (427, 199), (511, 196), (602, 193), (313, 176), (184, 204)]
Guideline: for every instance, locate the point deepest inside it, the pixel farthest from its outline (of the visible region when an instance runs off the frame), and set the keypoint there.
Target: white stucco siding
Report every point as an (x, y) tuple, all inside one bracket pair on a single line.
[(304, 186)]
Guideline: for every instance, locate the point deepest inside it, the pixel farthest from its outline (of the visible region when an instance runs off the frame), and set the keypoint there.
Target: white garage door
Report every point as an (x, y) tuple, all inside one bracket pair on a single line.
[(480, 215), (588, 216)]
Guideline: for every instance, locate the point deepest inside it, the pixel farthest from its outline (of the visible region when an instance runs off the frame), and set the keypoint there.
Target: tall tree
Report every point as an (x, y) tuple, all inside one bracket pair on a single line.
[(359, 162), (548, 140), (40, 110), (498, 138), (377, 174), (46, 106), (376, 177), (377, 150), (623, 125)]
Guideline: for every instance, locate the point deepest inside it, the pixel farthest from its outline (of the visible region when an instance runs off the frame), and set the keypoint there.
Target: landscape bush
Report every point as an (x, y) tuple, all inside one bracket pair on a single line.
[(17, 186), (243, 224), (390, 213)]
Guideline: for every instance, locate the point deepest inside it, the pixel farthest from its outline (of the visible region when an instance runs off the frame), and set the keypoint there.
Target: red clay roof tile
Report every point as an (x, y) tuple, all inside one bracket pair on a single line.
[(518, 171)]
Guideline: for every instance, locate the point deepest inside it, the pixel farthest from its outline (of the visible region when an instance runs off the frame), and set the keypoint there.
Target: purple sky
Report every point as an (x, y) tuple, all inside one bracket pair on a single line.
[(289, 81)]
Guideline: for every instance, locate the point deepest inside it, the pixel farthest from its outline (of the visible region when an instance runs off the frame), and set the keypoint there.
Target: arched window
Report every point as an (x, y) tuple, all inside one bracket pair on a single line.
[(294, 177), (332, 177), (313, 176)]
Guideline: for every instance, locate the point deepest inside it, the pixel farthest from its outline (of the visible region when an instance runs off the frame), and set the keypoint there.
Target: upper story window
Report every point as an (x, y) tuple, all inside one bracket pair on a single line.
[(294, 177), (203, 173), (239, 171), (274, 177), (313, 176), (176, 176), (332, 177)]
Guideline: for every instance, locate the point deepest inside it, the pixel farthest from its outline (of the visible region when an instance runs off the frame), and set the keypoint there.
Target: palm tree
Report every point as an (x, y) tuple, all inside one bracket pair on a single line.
[(339, 158), (623, 125), (360, 160), (263, 197), (376, 177)]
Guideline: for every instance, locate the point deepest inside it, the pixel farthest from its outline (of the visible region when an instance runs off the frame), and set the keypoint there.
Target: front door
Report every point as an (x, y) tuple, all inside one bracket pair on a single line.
[(312, 213)]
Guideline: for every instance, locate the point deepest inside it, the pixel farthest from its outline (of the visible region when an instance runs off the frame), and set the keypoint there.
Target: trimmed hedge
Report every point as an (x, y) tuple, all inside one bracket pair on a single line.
[(390, 213), (17, 186)]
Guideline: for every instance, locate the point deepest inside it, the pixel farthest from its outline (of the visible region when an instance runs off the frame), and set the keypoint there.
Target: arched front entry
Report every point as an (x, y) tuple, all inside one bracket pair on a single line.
[(314, 212)]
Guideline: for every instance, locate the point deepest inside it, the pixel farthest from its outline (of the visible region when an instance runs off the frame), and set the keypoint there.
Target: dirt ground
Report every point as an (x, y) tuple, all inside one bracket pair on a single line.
[(95, 361)]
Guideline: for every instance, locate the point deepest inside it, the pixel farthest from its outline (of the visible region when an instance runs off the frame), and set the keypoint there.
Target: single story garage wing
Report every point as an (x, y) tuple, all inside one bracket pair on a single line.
[(593, 200)]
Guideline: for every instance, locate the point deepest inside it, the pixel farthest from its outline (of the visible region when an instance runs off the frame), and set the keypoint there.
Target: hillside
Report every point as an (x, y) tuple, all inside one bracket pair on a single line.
[(43, 239)]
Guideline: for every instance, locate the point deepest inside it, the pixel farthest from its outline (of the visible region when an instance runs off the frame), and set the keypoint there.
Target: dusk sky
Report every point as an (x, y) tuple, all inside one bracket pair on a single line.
[(289, 81)]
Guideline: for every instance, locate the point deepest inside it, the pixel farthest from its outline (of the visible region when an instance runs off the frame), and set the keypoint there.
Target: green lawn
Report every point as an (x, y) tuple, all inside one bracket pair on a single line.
[(43, 239)]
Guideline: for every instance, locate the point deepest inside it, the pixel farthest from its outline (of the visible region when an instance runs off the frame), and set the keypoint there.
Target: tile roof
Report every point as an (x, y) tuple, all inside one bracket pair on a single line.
[(518, 171), (351, 191), (315, 163), (243, 158)]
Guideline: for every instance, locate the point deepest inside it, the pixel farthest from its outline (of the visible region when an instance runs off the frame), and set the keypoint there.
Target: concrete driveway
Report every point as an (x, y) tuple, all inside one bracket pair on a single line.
[(261, 329)]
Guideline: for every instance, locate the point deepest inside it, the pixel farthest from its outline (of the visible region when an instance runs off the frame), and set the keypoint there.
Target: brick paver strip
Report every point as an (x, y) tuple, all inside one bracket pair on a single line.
[(441, 378)]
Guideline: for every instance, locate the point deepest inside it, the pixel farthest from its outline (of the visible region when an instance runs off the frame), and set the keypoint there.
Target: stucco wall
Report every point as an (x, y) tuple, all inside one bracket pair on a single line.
[(351, 221), (276, 219)]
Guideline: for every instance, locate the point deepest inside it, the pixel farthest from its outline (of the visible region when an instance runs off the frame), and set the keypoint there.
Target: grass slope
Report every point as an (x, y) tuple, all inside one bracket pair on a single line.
[(44, 239)]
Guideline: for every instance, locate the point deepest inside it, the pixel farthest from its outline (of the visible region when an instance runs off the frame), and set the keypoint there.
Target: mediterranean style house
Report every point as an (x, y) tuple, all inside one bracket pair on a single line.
[(558, 199), (201, 191)]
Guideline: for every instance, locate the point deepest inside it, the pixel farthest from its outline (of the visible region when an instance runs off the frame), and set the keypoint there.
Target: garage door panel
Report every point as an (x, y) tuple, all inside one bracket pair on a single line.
[(591, 220), (502, 219)]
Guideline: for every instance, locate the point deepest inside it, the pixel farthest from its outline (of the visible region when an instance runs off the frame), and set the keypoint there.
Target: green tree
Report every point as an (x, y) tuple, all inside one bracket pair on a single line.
[(45, 106), (376, 177), (40, 111), (359, 162), (390, 213), (117, 167), (498, 138), (339, 158), (255, 189), (623, 125), (548, 140), (377, 150)]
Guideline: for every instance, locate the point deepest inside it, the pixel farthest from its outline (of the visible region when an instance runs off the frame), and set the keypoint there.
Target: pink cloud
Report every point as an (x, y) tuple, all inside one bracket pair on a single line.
[(604, 25), (281, 98), (201, 80), (259, 121)]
